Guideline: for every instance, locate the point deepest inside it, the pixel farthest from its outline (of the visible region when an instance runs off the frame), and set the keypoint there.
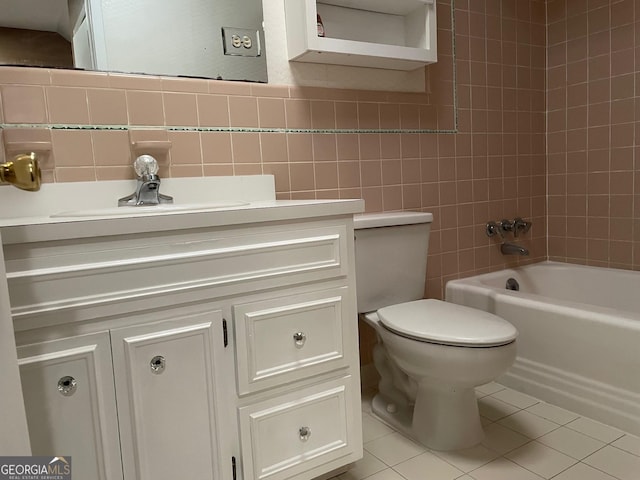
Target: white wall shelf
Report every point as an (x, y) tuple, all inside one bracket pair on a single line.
[(397, 35)]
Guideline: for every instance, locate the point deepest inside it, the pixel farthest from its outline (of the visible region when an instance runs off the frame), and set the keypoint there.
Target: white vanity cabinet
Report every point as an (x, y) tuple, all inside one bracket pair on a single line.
[(209, 351), (163, 377)]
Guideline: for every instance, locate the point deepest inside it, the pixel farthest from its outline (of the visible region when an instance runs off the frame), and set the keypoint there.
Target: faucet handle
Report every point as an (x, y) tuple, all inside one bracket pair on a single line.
[(506, 225), (520, 225), (145, 165), (492, 229)]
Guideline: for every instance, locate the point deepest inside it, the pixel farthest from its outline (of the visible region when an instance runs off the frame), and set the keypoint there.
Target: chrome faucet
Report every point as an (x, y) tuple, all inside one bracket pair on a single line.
[(508, 248), (148, 187)]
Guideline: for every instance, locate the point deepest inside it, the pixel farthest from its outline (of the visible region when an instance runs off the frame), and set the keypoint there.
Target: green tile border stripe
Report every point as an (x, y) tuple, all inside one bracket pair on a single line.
[(337, 131)]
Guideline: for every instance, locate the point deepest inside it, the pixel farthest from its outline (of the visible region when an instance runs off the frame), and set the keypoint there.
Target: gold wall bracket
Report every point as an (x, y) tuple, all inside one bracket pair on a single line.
[(22, 172)]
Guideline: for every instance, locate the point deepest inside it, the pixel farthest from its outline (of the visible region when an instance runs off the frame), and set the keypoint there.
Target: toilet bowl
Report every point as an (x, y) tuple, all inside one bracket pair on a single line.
[(430, 354), (452, 351)]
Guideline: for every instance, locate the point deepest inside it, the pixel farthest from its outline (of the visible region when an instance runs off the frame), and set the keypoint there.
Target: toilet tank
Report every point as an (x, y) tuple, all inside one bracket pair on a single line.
[(391, 258)]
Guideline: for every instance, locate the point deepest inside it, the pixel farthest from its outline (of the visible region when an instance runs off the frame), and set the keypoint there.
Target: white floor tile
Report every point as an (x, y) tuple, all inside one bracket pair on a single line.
[(629, 443), (573, 443), (550, 412), (373, 428), (528, 424), (388, 474), (470, 458), (618, 463), (438, 469), (541, 459), (502, 469), (502, 439), (484, 421), (364, 467), (595, 429), (490, 388), (580, 471), (394, 448), (517, 399), (495, 409)]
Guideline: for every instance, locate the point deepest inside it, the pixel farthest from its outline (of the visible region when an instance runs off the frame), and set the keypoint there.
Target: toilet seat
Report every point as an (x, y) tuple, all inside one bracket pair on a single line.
[(444, 323)]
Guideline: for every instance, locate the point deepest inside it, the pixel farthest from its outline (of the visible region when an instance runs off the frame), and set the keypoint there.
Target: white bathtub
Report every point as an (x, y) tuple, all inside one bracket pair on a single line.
[(579, 335)]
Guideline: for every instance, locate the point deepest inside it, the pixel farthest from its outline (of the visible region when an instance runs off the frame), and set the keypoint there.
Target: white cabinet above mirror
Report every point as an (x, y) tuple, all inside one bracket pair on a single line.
[(398, 35)]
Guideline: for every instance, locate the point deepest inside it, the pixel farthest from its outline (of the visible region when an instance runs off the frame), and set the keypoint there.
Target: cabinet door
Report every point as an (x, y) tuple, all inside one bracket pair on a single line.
[(165, 392), (70, 403)]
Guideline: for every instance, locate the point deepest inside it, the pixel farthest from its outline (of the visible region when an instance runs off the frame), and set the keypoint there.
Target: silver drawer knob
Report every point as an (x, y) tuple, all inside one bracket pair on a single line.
[(299, 338), (305, 433), (67, 386), (158, 364)]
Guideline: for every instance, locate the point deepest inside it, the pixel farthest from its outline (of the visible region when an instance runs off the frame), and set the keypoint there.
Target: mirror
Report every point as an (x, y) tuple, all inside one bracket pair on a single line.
[(220, 39)]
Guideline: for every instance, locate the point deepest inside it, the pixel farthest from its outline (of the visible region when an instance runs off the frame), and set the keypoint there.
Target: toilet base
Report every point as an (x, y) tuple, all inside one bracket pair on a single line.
[(444, 418)]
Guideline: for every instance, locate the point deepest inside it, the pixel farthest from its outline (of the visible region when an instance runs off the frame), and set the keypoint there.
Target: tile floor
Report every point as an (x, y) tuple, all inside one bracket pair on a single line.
[(526, 439)]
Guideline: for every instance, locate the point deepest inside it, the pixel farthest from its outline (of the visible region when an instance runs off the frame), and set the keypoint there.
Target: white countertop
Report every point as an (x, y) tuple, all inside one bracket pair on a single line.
[(27, 215)]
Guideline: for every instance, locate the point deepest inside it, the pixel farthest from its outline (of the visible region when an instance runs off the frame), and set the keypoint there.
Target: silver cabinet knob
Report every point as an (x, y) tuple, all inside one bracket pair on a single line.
[(299, 338), (158, 364), (305, 433), (67, 386)]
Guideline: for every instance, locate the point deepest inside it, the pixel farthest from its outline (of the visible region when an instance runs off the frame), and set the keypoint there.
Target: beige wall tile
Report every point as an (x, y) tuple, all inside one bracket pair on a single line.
[(73, 148), (274, 147), (185, 148), (216, 147), (300, 146), (112, 148), (186, 171), (67, 105), (298, 113), (213, 110), (145, 108), (243, 111), (25, 76), (271, 113), (246, 147), (79, 78), (326, 175), (75, 174), (180, 109), (107, 106), (23, 104)]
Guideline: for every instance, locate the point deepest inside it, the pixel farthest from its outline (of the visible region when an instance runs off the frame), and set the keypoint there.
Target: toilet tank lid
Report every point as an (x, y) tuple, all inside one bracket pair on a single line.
[(389, 219)]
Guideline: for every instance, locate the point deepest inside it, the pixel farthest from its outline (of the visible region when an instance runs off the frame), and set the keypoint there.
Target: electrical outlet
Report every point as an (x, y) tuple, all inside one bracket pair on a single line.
[(241, 42)]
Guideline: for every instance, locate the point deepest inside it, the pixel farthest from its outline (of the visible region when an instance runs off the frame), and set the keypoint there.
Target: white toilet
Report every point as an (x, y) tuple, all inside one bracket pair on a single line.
[(431, 354)]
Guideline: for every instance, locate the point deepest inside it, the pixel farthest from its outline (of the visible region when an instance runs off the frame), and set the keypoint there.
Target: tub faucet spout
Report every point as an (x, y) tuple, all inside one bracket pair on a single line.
[(512, 249)]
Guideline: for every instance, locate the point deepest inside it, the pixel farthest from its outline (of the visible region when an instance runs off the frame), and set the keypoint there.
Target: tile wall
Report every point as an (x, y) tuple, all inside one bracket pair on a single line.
[(593, 85), (483, 161)]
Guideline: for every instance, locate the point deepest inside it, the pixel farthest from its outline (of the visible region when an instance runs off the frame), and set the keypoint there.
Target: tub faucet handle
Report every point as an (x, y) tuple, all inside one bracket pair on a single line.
[(506, 225), (492, 229), (520, 225)]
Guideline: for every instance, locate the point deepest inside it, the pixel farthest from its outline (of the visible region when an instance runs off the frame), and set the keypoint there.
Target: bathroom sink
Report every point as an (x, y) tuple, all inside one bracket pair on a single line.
[(149, 209)]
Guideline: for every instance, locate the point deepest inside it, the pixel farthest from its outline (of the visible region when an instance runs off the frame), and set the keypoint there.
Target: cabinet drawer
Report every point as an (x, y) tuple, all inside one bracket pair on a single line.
[(48, 278), (284, 339), (288, 435)]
